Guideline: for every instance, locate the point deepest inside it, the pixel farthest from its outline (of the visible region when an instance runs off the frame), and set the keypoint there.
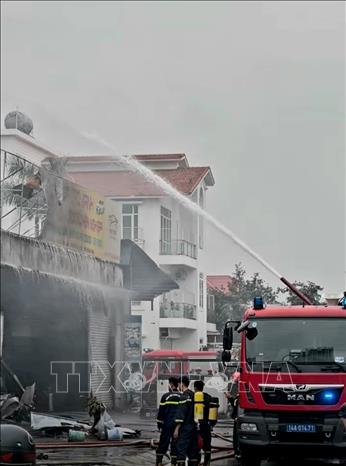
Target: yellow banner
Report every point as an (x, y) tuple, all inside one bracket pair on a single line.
[(86, 221)]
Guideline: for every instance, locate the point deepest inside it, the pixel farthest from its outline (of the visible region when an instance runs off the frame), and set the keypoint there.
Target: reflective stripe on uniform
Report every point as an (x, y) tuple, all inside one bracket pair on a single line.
[(164, 403)]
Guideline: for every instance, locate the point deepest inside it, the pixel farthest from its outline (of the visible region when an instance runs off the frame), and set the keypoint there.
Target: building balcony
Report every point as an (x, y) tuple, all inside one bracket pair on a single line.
[(178, 252), (178, 311), (179, 247)]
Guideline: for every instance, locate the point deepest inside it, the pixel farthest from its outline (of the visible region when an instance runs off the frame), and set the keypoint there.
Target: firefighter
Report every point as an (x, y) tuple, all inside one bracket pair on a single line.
[(166, 421), (185, 433), (95, 410), (202, 406), (233, 399)]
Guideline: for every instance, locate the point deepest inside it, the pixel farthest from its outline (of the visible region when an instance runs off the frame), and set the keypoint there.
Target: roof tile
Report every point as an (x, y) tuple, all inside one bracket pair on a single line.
[(219, 282), (131, 184)]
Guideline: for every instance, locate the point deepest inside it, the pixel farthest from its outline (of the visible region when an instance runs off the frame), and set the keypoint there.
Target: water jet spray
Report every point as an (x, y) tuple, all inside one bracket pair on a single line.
[(152, 177)]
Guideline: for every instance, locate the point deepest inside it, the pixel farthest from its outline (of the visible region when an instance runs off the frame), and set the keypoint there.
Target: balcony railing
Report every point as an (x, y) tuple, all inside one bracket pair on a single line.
[(178, 311), (178, 247)]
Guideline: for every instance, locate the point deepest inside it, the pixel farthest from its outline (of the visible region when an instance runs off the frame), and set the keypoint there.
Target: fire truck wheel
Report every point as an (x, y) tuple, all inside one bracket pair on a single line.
[(249, 459)]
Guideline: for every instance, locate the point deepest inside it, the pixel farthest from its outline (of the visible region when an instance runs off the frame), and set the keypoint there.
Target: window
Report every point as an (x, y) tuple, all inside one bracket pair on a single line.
[(166, 230), (201, 290), (311, 344), (210, 302), (201, 220), (130, 222)]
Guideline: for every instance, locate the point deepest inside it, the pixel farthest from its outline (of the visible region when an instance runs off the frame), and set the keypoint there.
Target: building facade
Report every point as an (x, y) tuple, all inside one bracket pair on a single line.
[(216, 285), (171, 235), (62, 302)]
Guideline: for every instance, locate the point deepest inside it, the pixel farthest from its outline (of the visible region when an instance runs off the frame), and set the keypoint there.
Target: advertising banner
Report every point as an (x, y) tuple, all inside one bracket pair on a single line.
[(85, 220)]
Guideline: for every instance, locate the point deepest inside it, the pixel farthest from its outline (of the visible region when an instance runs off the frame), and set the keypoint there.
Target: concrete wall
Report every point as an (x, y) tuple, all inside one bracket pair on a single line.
[(57, 260), (18, 143), (54, 301), (150, 323)]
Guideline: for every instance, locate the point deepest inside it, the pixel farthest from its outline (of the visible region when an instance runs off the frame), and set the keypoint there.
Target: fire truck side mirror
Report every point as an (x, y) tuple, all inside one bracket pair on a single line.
[(251, 333), (227, 337)]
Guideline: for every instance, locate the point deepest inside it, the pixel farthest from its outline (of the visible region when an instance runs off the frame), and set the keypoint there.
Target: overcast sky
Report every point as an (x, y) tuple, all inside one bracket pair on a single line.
[(256, 90)]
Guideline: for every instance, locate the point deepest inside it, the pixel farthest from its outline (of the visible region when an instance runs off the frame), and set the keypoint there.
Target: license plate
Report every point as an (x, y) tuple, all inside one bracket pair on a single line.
[(301, 428)]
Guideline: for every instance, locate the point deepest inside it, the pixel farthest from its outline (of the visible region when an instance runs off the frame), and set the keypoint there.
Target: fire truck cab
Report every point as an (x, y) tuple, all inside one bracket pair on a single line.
[(292, 386)]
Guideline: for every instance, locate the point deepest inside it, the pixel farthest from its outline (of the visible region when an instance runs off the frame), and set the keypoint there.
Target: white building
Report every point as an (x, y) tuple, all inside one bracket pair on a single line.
[(25, 146), (170, 234)]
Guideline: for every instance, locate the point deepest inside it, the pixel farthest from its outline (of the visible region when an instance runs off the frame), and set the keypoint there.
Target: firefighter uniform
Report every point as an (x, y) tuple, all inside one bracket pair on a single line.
[(206, 412), (205, 429), (186, 444), (166, 422)]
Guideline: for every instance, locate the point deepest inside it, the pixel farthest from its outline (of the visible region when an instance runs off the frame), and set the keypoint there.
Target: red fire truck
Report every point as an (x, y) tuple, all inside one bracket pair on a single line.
[(292, 384), (174, 362), (159, 365)]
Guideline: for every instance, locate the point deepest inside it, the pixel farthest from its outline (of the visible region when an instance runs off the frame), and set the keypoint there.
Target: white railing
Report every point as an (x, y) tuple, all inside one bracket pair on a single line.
[(178, 247), (180, 304)]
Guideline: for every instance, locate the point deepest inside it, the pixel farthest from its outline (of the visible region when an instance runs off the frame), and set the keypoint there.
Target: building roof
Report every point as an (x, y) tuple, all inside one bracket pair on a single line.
[(219, 283), (140, 157), (131, 184)]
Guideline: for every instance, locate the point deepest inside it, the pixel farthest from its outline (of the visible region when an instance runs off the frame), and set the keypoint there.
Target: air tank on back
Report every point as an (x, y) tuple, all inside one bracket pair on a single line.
[(18, 120)]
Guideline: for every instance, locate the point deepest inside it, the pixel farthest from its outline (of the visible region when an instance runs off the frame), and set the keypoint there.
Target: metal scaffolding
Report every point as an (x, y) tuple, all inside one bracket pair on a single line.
[(23, 202)]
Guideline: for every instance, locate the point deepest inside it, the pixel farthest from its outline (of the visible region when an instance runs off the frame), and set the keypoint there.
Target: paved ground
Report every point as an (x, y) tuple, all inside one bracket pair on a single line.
[(120, 456), (138, 456)]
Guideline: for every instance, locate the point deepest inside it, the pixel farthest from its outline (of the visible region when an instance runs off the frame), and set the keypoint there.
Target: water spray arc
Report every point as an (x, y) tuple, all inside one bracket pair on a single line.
[(153, 178)]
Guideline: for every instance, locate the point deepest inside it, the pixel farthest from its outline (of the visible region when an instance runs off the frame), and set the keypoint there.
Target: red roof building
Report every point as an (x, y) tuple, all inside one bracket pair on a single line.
[(170, 233), (126, 183), (105, 176), (219, 283)]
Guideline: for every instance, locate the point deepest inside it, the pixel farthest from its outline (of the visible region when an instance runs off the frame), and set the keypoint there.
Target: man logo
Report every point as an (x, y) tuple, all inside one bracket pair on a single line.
[(300, 397)]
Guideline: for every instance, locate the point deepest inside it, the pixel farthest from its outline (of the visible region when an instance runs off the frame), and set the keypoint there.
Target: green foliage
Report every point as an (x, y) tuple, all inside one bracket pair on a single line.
[(242, 290), (309, 289)]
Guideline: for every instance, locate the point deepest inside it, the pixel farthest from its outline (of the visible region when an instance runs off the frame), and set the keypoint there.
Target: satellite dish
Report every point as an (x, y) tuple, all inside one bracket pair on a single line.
[(20, 121)]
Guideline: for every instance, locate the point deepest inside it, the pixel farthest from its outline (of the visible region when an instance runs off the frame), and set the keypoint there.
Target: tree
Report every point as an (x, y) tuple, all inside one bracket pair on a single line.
[(240, 295), (309, 289)]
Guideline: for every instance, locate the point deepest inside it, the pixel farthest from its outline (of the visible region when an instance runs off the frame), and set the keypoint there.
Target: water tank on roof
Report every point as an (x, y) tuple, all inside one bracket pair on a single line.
[(20, 121)]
